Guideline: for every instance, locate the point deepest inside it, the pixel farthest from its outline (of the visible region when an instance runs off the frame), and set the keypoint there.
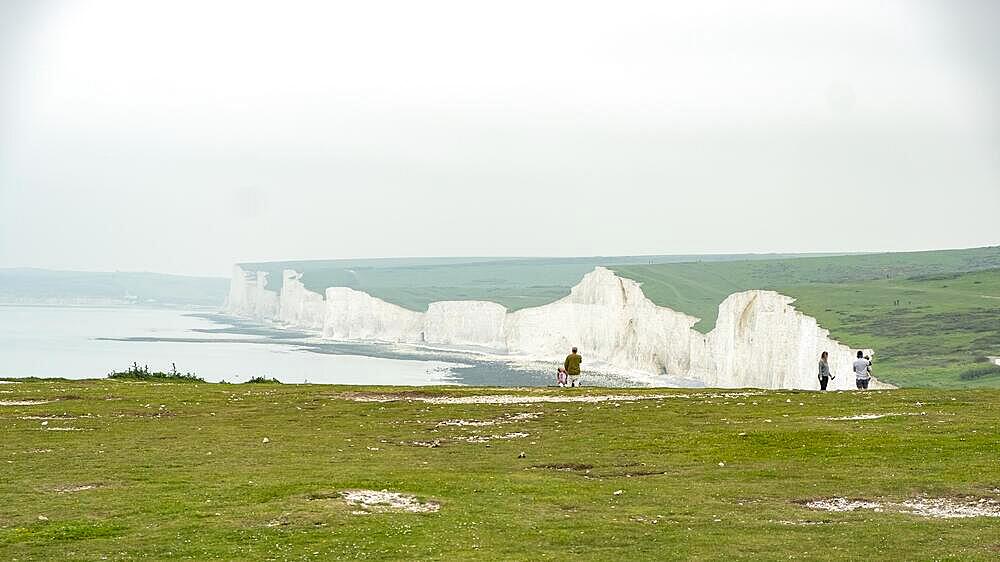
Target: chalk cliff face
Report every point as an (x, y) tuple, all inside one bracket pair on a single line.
[(248, 296), (760, 340), (298, 306)]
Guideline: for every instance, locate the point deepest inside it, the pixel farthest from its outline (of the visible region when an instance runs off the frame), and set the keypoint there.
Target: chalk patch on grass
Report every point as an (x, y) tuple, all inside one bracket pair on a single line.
[(72, 489), (951, 508), (801, 522), (24, 402), (487, 438), (466, 423), (874, 416), (532, 399), (842, 505), (384, 501), (937, 508), (66, 429), (509, 418)]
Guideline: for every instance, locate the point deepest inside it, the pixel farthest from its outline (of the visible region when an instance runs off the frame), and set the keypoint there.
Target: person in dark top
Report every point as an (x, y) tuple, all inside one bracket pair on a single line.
[(824, 371)]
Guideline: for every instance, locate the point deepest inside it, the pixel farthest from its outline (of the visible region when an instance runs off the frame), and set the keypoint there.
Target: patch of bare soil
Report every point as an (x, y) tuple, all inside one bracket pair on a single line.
[(565, 466), (488, 438), (874, 416), (384, 501), (509, 418), (429, 444), (938, 508)]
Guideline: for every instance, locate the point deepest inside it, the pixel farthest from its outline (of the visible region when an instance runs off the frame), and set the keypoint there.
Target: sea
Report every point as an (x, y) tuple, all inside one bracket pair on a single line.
[(82, 342)]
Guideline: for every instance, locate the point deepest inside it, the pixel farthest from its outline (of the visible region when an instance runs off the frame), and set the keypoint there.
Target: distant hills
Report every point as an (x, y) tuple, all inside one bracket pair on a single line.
[(42, 286)]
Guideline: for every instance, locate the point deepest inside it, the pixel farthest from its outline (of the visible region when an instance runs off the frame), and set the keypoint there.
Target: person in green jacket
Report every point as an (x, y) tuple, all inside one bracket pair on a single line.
[(572, 366)]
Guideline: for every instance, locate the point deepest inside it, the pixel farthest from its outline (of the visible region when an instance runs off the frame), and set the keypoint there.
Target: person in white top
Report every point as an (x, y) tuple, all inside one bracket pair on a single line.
[(862, 371)]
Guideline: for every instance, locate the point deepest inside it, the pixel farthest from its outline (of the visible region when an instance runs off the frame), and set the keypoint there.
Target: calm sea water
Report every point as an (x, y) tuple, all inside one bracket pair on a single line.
[(89, 342)]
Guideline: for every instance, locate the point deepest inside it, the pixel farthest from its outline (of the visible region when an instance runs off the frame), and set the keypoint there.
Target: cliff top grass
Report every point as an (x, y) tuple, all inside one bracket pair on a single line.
[(697, 288), (160, 470)]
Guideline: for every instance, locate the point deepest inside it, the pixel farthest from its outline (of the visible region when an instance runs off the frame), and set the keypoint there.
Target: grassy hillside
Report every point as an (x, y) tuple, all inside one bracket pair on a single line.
[(927, 331), (930, 322), (416, 282), (698, 288), (124, 470)]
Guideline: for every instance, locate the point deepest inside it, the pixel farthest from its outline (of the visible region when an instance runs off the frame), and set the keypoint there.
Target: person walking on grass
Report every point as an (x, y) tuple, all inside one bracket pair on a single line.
[(572, 366), (824, 371), (862, 371)]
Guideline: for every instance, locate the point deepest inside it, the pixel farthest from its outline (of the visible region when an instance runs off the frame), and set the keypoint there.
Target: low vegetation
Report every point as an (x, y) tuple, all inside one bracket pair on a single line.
[(142, 373), (262, 380), (124, 469), (980, 372)]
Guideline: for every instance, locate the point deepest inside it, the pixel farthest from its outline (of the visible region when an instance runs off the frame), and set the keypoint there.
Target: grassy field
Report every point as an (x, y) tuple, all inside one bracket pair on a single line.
[(933, 332), (932, 317), (697, 288), (120, 470)]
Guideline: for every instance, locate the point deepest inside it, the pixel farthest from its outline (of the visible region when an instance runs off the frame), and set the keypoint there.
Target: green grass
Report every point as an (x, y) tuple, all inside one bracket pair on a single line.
[(938, 330), (181, 471), (698, 288)]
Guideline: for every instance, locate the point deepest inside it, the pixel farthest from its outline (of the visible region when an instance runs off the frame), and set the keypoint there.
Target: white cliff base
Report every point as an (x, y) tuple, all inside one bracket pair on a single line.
[(760, 340)]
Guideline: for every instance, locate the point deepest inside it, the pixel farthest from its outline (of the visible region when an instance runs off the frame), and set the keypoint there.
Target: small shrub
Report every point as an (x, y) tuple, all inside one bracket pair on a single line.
[(263, 380), (135, 372), (981, 359), (980, 372)]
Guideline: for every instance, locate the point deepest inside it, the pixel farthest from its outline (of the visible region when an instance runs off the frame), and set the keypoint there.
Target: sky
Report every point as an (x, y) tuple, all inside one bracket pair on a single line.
[(185, 136)]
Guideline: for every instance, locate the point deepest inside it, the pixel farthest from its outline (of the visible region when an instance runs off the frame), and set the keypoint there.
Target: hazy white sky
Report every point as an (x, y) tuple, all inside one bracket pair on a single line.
[(183, 136)]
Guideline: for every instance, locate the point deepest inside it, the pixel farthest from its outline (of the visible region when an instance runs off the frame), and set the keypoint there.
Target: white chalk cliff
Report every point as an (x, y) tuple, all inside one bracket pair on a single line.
[(759, 340)]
